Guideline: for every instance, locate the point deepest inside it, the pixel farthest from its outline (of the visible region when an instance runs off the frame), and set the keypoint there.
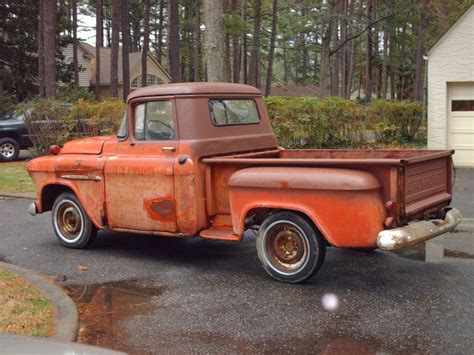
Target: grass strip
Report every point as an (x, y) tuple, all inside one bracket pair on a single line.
[(23, 310)]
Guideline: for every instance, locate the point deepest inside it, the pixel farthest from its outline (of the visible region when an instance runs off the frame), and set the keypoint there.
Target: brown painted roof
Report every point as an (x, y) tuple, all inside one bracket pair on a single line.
[(295, 90), (105, 54), (90, 49), (194, 88)]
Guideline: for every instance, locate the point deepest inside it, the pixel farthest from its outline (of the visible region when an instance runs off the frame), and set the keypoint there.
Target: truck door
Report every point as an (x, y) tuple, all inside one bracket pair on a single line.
[(139, 178)]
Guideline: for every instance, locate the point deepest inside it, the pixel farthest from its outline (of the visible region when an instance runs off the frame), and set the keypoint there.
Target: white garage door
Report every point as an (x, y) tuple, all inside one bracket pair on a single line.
[(461, 122)]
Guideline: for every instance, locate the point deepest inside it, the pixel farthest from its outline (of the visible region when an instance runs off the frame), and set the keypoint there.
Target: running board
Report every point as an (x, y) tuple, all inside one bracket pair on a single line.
[(220, 234)]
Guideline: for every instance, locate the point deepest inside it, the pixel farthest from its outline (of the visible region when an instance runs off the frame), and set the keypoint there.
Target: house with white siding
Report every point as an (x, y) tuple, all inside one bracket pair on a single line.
[(156, 74), (84, 56), (451, 91)]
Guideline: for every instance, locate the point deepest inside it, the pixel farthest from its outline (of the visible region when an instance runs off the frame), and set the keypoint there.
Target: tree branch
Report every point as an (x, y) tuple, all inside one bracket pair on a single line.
[(360, 33)]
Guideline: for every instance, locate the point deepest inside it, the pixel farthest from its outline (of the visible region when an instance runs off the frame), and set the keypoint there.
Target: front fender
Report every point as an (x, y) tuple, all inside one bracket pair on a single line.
[(345, 205), (85, 180)]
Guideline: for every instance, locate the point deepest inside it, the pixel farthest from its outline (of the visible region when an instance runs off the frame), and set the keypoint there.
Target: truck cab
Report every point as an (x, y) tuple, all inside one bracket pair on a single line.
[(201, 159)]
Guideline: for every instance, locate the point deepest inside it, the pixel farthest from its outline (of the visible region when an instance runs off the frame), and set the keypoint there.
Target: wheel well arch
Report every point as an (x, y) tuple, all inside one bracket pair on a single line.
[(50, 193), (258, 215)]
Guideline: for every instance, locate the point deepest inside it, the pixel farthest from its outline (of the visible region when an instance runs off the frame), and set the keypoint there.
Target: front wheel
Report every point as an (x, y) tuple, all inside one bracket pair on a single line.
[(71, 224), (289, 247)]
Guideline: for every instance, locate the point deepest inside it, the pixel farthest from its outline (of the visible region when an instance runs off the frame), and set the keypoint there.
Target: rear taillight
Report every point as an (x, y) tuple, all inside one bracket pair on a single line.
[(55, 149), (391, 207)]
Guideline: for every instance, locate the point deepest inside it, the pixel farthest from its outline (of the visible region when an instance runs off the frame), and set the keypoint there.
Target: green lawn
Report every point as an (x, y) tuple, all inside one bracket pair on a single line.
[(15, 178), (24, 310)]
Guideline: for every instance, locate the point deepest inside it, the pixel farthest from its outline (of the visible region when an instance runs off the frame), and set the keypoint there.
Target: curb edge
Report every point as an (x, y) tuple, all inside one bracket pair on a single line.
[(66, 317)]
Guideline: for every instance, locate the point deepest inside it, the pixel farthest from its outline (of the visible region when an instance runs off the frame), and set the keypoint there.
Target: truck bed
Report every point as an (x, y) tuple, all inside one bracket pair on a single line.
[(419, 181)]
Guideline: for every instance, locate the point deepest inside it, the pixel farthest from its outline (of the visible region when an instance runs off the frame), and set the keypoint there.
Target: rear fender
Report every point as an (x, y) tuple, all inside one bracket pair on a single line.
[(345, 205)]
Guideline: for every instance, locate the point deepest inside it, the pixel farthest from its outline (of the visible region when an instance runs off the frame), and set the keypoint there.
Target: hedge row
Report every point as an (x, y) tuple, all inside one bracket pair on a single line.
[(304, 122), (310, 122), (55, 122)]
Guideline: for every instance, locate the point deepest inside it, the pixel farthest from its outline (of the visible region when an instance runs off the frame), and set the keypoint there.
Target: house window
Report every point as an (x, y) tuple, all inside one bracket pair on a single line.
[(150, 80), (462, 105)]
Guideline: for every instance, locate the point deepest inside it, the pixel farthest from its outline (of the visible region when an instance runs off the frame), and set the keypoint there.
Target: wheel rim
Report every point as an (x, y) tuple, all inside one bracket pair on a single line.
[(7, 150), (286, 247), (68, 221)]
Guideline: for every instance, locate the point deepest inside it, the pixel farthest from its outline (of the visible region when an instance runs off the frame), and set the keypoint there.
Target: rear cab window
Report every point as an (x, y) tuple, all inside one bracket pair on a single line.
[(233, 112)]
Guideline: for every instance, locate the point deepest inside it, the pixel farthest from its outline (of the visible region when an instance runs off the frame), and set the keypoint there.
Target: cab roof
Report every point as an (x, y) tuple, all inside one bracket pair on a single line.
[(194, 89)]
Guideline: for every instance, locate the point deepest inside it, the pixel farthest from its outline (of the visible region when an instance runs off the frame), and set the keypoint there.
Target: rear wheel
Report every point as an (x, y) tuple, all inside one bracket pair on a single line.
[(9, 149), (289, 247), (71, 224)]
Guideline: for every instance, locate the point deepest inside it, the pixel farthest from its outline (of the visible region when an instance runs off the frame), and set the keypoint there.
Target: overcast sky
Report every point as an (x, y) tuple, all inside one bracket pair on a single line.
[(86, 29)]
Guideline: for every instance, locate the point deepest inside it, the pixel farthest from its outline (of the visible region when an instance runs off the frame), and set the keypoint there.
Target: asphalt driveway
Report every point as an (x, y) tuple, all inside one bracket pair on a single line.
[(147, 295)]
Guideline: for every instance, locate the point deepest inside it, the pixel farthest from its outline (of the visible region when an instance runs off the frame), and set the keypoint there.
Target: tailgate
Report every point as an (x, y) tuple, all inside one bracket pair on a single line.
[(428, 186)]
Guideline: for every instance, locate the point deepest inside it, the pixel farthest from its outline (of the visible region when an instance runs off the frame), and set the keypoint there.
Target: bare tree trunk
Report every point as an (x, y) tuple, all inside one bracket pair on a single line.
[(159, 45), (369, 70), (146, 42), (344, 57), (334, 58), (324, 69), (244, 75), (228, 65), (418, 89), (197, 41), (400, 81), (125, 49), (74, 42), (214, 38), (108, 35), (235, 50), (41, 50), (49, 40), (268, 84), (98, 38), (115, 48), (255, 51), (304, 72), (285, 66), (383, 90), (173, 41), (350, 74)]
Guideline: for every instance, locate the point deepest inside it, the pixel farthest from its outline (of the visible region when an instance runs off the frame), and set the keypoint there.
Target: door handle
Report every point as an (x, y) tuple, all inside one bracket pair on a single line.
[(169, 149)]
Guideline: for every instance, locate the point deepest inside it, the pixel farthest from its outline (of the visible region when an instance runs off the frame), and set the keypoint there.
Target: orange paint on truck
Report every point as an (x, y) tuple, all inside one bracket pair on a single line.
[(177, 173)]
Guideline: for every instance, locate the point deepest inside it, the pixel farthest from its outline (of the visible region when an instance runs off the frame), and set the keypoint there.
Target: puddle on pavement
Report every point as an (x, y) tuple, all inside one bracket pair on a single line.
[(103, 308), (435, 252)]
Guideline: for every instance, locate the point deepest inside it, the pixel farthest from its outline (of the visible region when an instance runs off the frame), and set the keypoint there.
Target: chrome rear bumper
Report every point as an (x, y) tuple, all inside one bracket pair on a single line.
[(418, 232)]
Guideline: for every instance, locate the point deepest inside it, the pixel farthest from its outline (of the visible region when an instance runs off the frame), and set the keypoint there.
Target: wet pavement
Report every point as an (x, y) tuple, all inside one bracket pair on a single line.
[(144, 294)]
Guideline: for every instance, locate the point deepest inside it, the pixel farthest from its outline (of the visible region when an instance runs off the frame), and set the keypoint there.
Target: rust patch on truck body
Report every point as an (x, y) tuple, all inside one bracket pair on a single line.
[(160, 208)]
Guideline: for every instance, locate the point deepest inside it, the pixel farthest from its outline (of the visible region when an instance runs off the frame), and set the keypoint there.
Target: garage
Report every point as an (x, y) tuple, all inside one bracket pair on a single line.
[(451, 91), (461, 122)]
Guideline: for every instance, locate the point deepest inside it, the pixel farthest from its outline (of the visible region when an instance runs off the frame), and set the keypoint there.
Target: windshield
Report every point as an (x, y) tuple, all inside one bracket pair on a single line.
[(122, 132), (7, 116)]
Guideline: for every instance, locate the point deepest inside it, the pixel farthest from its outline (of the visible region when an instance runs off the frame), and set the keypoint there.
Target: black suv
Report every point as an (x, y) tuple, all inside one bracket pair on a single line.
[(13, 136)]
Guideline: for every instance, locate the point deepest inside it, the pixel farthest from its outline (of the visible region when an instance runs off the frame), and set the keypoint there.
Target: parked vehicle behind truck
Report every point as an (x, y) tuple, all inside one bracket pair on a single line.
[(202, 160), (13, 136)]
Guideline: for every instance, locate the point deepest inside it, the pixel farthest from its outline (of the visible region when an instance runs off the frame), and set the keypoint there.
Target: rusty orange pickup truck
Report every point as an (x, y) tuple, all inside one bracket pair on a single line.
[(202, 160)]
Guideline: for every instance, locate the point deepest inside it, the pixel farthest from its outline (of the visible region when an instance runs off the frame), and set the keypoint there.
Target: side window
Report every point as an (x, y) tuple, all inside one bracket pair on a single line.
[(154, 121)]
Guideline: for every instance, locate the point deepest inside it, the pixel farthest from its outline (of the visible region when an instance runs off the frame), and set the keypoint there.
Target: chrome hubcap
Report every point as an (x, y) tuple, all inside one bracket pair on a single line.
[(69, 220), (7, 150), (286, 247)]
